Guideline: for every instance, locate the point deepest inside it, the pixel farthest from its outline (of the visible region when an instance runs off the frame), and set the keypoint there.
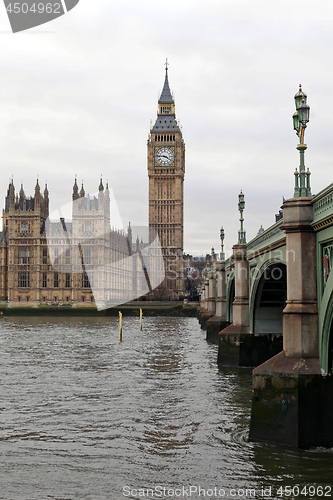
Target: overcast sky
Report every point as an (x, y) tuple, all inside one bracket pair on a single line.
[(77, 96)]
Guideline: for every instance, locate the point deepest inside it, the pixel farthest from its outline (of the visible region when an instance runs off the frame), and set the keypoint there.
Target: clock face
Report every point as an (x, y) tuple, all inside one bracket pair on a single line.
[(164, 156)]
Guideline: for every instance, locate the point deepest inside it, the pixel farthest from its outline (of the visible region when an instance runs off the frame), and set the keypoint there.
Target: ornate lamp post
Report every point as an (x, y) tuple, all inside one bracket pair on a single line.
[(222, 256), (241, 207), (300, 119), (213, 260)]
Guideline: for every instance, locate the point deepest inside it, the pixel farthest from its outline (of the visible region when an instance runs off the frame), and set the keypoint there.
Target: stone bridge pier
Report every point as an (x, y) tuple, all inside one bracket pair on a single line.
[(240, 345), (232, 338), (219, 320), (207, 306), (202, 309)]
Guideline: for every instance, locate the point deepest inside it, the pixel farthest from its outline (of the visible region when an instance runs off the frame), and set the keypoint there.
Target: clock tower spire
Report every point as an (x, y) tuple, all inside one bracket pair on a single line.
[(166, 104), (166, 170)]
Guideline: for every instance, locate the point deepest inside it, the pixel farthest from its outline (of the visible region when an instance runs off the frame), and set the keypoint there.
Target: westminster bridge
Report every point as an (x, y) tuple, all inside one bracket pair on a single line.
[(271, 304), (266, 255), (271, 307)]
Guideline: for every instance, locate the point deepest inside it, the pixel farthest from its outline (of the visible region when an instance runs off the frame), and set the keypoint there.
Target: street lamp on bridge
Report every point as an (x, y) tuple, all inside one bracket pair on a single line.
[(222, 256), (213, 260), (300, 119), (241, 207)]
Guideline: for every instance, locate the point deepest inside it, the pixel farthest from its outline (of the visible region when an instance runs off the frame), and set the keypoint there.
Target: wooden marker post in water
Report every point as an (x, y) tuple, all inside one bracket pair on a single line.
[(120, 326), (140, 319)]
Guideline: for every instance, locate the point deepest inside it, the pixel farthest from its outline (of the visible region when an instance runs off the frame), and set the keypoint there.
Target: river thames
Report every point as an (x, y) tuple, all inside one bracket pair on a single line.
[(84, 416)]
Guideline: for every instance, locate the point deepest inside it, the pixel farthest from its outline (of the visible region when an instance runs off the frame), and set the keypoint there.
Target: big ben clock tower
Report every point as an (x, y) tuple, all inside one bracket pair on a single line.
[(166, 170)]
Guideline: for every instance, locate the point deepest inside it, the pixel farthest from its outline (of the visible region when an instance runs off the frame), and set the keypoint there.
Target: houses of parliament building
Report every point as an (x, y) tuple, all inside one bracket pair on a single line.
[(79, 262), (83, 262)]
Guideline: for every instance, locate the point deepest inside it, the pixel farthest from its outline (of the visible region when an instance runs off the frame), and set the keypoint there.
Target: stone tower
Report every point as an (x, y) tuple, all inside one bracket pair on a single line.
[(23, 234), (166, 170), (91, 236)]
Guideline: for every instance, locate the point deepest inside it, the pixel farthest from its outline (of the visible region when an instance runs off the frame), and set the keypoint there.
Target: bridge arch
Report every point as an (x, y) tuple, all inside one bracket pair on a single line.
[(268, 294), (230, 293), (326, 340)]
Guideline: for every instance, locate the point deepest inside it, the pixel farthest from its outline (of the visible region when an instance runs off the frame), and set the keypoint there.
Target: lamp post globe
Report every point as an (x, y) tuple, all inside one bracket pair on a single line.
[(296, 122), (304, 113), (241, 202), (300, 96)]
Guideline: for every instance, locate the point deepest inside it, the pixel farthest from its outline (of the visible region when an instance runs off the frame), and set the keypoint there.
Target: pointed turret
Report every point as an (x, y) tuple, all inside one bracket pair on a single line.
[(37, 196), (75, 191), (11, 189), (129, 239), (166, 122), (10, 198), (101, 193), (107, 201), (22, 199), (166, 96), (46, 202), (82, 192)]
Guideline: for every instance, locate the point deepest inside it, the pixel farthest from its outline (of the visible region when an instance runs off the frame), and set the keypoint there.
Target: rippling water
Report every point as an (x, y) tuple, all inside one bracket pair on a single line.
[(83, 415)]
